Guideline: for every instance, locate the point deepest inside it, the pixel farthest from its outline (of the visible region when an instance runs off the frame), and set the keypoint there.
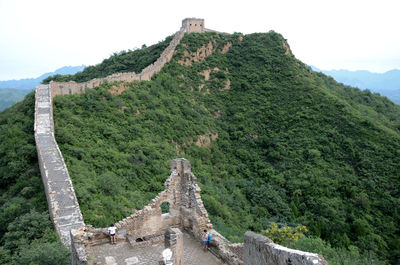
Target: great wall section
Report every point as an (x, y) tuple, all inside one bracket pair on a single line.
[(145, 233), (63, 204)]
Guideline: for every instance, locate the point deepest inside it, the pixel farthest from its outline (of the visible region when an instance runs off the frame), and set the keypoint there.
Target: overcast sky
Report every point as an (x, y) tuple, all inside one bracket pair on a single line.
[(38, 36)]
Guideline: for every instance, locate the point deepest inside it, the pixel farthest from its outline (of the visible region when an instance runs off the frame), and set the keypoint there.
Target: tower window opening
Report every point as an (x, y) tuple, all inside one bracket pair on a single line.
[(164, 207)]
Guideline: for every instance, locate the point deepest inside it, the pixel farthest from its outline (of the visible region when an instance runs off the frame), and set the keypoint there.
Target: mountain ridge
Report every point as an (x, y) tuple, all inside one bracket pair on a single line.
[(387, 83)]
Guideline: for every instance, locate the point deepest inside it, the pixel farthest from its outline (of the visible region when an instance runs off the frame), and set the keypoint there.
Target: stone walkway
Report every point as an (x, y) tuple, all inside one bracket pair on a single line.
[(123, 254), (63, 205)]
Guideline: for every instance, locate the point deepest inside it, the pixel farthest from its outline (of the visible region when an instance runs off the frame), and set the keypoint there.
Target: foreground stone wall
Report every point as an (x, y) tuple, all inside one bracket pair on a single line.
[(174, 241), (260, 250), (63, 205)]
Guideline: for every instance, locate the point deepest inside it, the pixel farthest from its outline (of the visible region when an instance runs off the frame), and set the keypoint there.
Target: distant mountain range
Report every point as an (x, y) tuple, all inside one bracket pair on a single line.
[(12, 91), (387, 84), (31, 83)]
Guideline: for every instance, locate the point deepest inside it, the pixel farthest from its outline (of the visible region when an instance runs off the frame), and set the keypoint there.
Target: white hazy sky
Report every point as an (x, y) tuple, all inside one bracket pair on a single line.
[(38, 36)]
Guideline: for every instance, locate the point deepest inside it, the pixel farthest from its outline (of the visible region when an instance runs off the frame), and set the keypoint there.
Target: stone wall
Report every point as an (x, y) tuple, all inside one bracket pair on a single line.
[(237, 249), (72, 87), (260, 250), (63, 205), (186, 209), (174, 241)]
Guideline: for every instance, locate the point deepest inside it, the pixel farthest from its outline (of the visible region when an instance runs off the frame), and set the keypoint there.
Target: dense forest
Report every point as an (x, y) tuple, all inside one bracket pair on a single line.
[(268, 139)]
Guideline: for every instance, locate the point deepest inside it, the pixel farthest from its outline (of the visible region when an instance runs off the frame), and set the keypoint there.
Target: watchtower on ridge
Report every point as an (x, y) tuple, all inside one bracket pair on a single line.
[(193, 25)]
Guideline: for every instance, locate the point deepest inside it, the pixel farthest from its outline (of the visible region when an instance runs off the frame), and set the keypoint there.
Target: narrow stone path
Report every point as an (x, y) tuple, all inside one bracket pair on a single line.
[(123, 254), (63, 204)]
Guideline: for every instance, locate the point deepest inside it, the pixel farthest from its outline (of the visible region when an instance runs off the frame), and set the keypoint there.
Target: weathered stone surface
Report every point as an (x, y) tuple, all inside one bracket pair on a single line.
[(260, 250), (110, 261), (152, 254), (63, 205), (174, 241)]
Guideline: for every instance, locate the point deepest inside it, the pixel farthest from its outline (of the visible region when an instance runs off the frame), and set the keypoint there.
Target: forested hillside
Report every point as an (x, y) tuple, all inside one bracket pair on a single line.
[(26, 233), (268, 139)]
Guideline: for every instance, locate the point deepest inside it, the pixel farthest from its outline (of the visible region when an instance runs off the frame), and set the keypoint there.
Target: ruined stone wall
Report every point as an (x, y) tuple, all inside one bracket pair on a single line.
[(237, 249), (260, 250), (174, 241), (185, 207), (63, 205), (187, 212), (148, 225)]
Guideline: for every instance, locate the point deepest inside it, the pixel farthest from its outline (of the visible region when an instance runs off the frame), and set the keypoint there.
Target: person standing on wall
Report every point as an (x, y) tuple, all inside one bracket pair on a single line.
[(205, 240), (111, 231)]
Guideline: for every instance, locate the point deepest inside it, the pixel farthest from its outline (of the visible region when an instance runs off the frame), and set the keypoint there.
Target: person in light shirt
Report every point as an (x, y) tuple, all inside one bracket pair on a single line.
[(111, 231)]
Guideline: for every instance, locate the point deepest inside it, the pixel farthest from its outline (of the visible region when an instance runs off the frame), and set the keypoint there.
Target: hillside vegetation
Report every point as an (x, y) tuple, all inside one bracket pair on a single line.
[(268, 139), (26, 233)]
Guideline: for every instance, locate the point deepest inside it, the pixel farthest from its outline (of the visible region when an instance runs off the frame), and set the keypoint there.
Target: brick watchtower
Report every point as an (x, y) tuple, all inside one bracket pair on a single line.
[(193, 25)]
